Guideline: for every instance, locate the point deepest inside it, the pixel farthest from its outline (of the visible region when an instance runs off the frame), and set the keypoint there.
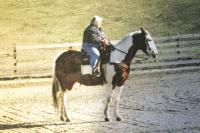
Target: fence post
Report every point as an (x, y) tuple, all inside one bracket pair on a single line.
[(14, 60), (178, 42)]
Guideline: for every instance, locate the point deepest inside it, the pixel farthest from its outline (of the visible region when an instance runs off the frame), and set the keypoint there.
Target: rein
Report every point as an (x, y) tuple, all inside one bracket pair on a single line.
[(117, 48), (112, 46)]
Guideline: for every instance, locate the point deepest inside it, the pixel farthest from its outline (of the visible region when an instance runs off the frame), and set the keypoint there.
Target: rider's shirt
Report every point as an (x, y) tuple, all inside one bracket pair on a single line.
[(93, 35)]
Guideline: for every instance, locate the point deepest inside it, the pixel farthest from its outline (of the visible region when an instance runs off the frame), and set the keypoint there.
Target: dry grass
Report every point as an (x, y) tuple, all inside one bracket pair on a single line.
[(49, 21)]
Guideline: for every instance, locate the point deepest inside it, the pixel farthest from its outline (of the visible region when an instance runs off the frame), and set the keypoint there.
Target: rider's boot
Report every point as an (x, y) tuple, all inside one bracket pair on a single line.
[(96, 71)]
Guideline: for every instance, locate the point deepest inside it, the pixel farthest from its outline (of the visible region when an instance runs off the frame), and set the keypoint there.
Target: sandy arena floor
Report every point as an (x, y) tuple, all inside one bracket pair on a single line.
[(156, 103)]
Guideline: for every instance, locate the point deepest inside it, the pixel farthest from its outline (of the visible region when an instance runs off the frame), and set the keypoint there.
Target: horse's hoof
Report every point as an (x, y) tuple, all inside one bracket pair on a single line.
[(62, 119), (106, 119), (67, 120), (118, 119)]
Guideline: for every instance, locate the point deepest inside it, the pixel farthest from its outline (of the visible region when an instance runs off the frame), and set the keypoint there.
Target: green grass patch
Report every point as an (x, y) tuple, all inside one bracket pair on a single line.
[(61, 21)]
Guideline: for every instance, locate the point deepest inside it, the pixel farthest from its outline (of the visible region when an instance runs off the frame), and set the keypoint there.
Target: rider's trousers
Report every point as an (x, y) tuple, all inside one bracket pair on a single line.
[(93, 52)]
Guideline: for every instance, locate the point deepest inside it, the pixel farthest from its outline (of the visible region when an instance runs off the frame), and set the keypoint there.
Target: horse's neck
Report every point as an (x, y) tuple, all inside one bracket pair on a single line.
[(130, 55), (123, 45)]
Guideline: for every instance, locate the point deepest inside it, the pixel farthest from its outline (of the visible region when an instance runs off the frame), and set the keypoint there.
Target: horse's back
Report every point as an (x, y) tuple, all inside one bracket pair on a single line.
[(68, 56), (68, 62)]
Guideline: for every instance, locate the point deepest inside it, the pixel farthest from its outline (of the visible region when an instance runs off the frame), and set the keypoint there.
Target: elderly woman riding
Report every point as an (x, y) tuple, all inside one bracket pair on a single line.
[(93, 38)]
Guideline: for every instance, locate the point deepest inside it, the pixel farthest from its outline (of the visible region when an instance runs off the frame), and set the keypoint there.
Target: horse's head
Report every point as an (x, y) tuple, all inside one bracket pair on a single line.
[(146, 43), (127, 47)]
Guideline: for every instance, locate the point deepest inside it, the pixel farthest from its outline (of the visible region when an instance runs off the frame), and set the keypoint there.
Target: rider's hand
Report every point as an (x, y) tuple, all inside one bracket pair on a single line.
[(105, 41), (104, 44)]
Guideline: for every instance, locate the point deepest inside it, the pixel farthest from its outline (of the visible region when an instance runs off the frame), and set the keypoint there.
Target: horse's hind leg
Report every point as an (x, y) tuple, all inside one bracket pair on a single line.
[(57, 94), (65, 106), (62, 107), (116, 98)]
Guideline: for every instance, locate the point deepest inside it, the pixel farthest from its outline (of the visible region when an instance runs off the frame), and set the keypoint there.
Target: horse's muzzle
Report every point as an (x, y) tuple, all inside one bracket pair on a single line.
[(155, 56)]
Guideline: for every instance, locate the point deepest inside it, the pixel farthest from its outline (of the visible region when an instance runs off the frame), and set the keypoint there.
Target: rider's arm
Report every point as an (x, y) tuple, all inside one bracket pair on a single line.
[(94, 36)]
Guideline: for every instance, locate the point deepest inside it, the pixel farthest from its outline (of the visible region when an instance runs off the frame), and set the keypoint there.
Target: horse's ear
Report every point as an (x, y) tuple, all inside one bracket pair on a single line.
[(143, 31)]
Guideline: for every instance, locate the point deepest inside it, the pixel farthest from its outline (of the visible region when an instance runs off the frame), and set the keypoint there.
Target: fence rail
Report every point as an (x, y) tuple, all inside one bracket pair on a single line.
[(37, 60)]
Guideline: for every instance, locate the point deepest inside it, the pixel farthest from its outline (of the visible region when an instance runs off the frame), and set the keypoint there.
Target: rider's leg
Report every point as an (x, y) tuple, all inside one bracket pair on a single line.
[(95, 61), (94, 57), (93, 53)]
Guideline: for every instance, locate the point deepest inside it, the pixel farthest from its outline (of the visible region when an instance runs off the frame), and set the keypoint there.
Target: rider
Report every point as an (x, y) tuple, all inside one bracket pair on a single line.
[(93, 38)]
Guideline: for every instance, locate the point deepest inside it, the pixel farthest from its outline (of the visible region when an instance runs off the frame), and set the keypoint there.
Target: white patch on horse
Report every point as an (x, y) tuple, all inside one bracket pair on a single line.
[(86, 69), (109, 73), (151, 43), (124, 44)]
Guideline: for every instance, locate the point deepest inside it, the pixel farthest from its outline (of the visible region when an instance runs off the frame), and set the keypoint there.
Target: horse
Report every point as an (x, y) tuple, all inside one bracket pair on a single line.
[(67, 71)]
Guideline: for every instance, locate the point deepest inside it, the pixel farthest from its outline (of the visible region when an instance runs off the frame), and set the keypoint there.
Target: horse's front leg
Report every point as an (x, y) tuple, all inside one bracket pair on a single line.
[(109, 92), (108, 97), (116, 99)]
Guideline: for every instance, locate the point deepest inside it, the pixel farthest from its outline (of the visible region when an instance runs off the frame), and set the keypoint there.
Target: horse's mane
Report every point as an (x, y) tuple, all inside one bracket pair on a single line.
[(124, 39)]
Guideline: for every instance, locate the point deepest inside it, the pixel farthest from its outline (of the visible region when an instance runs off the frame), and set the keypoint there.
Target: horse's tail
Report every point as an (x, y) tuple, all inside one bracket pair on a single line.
[(55, 90)]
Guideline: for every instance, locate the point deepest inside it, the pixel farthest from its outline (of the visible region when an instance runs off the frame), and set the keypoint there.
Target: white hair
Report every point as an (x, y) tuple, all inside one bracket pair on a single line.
[(96, 20)]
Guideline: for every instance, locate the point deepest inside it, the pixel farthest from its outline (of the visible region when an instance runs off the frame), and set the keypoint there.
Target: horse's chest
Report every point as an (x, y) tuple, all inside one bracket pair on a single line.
[(121, 75)]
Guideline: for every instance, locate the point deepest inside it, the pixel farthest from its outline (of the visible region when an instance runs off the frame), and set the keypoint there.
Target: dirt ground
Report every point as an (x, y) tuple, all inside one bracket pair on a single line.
[(150, 103)]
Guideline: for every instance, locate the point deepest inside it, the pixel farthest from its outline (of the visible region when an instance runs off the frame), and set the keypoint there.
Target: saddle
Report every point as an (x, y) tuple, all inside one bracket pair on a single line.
[(104, 58)]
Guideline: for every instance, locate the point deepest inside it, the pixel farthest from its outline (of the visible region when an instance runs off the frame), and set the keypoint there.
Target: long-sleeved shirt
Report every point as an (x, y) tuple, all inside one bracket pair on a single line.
[(93, 35)]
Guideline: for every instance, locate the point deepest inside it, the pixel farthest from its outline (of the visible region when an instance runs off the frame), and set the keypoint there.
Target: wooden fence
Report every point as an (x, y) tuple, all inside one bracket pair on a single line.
[(24, 61)]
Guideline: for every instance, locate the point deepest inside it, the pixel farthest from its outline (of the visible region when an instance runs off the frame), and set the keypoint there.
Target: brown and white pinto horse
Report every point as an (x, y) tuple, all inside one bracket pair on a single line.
[(68, 71)]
